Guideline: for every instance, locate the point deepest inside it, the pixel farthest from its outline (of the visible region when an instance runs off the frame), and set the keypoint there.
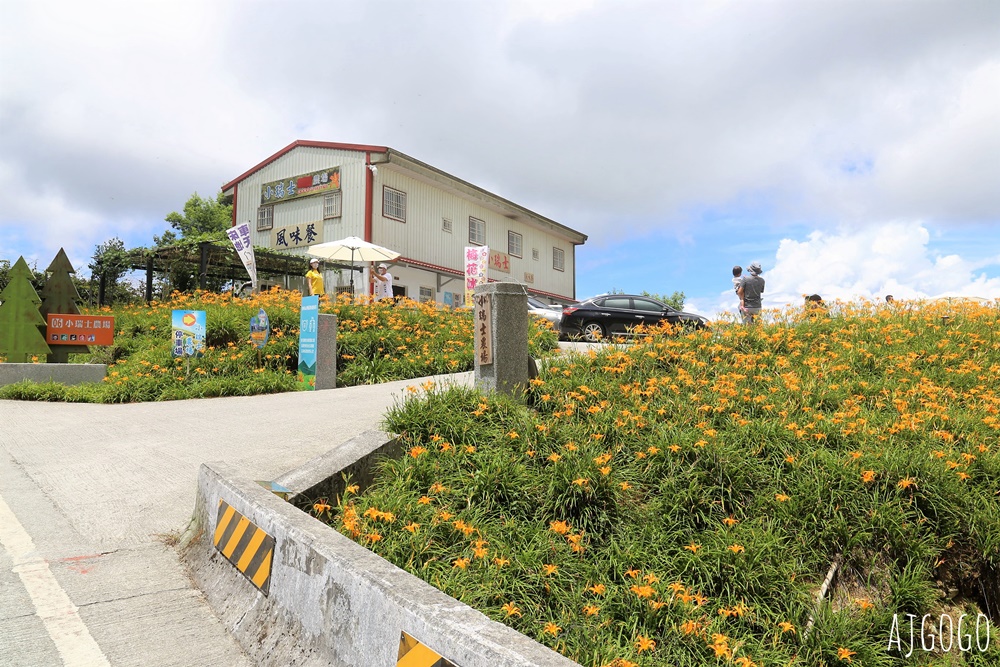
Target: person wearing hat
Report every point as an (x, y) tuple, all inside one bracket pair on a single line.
[(750, 290), (381, 281), (314, 279)]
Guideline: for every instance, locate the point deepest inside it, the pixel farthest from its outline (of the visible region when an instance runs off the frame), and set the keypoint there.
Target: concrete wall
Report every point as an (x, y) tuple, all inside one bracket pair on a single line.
[(62, 373), (331, 601)]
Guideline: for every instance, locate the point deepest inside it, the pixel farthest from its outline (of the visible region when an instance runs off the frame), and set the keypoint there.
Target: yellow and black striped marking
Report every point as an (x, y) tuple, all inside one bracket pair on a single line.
[(414, 654), (244, 545)]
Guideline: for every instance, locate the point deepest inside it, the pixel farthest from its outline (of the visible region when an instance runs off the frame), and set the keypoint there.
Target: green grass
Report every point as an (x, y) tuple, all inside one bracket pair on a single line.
[(693, 491)]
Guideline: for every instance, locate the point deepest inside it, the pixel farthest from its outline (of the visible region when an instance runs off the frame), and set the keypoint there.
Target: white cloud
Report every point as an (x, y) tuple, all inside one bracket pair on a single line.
[(892, 258), (595, 112)]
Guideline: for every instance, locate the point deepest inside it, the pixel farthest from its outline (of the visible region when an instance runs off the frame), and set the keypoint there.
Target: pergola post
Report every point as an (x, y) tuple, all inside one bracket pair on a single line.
[(149, 279)]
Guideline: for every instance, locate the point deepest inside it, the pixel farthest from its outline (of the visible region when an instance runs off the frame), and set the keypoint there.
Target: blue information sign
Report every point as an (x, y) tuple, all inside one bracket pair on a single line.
[(188, 333), (308, 328)]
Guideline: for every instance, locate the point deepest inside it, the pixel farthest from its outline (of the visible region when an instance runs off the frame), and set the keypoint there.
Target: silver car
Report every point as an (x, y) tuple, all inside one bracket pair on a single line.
[(546, 311)]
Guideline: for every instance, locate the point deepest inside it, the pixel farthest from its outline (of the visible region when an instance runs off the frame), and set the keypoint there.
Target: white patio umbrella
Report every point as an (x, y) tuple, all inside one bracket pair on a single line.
[(350, 249)]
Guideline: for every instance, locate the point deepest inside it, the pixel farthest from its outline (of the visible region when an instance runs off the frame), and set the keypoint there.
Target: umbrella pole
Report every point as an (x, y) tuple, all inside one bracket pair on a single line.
[(352, 273)]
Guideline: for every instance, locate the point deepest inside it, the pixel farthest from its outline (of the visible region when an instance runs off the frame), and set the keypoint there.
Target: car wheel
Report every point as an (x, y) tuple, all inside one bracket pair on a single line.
[(593, 332)]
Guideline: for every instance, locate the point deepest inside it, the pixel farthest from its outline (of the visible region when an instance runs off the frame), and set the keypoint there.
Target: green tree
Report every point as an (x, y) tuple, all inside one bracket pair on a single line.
[(201, 216), (675, 300), (111, 261), (202, 220), (59, 295), (21, 324)]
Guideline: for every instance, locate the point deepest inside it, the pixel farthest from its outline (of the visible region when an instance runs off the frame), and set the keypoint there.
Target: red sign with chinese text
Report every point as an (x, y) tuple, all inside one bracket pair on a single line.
[(79, 329)]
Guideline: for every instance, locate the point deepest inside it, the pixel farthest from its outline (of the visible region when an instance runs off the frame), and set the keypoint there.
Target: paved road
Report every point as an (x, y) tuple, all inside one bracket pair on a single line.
[(91, 497)]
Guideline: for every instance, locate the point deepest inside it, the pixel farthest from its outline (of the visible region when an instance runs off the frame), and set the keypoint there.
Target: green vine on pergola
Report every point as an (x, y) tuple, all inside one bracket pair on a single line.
[(208, 257)]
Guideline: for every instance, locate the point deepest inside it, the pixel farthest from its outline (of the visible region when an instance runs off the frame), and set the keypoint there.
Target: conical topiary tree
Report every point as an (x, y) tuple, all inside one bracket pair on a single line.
[(20, 335), (59, 295)]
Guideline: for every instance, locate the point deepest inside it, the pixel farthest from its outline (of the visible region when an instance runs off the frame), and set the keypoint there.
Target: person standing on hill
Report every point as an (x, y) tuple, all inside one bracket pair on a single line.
[(737, 278), (314, 279), (750, 290)]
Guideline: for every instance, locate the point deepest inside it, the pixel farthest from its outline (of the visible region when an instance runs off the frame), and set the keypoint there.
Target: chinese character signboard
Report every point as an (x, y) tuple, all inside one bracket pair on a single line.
[(529, 277), (187, 335), (260, 329), (240, 236), (79, 329), (297, 236), (482, 320), (308, 333), (315, 183), (500, 261), (476, 262)]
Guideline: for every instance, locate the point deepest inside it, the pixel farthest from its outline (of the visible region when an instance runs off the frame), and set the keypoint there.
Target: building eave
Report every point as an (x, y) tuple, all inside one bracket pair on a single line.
[(429, 174), (505, 207)]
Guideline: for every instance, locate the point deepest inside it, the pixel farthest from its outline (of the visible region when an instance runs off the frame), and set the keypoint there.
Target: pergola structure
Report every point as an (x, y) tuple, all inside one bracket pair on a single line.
[(219, 260)]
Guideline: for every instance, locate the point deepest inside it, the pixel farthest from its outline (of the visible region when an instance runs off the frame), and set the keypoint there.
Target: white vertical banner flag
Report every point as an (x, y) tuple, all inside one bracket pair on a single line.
[(240, 236), (477, 261)]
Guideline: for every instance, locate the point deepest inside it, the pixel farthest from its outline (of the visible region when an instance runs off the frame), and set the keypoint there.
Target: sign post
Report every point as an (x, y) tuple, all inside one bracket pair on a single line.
[(260, 331), (308, 338), (500, 321), (187, 335)]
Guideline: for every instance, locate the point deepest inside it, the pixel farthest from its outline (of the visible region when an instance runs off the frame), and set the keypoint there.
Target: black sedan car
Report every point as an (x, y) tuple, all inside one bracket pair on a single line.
[(612, 315)]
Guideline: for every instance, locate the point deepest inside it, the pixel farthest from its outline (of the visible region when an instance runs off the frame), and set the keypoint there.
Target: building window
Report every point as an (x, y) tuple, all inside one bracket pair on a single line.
[(265, 218), (426, 294), (477, 231), (446, 225), (331, 206), (394, 204), (558, 259), (534, 254), (514, 244)]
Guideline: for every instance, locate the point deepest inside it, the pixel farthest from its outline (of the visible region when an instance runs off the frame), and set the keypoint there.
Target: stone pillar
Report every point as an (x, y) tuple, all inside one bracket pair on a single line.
[(326, 352), (500, 320)]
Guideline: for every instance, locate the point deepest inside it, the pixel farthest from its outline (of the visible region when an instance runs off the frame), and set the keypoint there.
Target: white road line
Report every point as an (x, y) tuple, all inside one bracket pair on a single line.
[(69, 633)]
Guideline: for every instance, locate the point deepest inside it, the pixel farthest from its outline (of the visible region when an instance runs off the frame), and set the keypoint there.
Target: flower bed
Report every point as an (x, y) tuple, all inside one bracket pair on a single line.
[(681, 501), (376, 342)]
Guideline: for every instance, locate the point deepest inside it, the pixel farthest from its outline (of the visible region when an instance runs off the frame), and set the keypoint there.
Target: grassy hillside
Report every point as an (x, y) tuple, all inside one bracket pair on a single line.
[(680, 501)]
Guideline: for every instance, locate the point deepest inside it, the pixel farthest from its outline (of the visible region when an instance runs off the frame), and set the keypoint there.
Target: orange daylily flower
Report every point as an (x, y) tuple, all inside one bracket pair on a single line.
[(511, 609), (644, 644)]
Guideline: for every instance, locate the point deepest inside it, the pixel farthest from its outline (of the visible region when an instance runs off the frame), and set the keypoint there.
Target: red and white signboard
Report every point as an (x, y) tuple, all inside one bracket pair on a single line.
[(79, 329), (476, 263)]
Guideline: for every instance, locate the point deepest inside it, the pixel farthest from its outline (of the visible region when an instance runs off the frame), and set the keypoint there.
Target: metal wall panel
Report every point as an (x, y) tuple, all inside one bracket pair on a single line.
[(303, 160), (421, 237)]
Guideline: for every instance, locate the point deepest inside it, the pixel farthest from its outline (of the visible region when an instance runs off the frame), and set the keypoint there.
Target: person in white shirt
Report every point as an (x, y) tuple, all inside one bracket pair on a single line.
[(381, 280)]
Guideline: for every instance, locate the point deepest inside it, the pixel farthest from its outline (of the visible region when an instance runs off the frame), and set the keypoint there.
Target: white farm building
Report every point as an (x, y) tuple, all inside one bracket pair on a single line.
[(314, 191)]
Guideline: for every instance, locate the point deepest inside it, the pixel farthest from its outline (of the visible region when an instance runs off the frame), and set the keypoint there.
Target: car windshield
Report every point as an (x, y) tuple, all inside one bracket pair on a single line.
[(535, 303)]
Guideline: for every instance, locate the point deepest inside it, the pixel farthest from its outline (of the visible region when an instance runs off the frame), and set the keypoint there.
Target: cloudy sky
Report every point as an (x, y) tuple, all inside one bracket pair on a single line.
[(853, 148)]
